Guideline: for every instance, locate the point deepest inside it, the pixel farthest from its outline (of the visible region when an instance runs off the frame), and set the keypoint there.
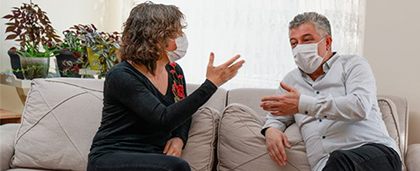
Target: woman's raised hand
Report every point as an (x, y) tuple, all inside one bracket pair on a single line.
[(219, 75)]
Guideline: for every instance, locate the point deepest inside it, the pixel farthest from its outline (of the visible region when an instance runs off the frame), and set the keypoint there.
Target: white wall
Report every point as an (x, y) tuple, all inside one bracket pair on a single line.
[(392, 48), (107, 15)]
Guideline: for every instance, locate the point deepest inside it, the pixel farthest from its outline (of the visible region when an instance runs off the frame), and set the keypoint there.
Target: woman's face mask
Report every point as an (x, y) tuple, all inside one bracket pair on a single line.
[(181, 49), (307, 58)]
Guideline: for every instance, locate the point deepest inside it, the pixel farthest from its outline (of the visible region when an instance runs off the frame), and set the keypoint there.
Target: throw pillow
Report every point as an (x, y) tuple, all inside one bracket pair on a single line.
[(200, 148), (59, 121), (241, 146)]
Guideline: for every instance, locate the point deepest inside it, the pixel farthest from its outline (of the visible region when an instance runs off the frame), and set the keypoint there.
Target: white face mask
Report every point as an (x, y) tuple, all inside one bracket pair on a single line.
[(307, 58), (181, 49)]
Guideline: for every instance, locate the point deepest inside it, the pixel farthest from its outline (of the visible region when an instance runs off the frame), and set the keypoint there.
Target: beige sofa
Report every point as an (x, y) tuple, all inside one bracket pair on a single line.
[(61, 117)]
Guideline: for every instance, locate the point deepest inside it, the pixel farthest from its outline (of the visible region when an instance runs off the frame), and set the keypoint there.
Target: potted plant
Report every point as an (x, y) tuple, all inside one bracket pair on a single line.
[(101, 47), (32, 29), (71, 55)]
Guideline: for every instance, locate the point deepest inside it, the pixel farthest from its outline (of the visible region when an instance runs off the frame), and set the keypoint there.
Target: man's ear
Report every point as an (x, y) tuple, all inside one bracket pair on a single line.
[(329, 42)]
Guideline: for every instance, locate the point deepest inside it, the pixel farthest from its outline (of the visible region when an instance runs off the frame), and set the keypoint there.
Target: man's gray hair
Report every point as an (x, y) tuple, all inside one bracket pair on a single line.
[(320, 22)]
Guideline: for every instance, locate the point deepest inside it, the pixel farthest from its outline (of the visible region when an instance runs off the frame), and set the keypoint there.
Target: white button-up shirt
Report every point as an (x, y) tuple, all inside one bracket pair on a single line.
[(337, 111)]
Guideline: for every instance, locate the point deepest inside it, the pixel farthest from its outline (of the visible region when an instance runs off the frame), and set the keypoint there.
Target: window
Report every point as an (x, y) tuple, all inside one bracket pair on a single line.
[(258, 31)]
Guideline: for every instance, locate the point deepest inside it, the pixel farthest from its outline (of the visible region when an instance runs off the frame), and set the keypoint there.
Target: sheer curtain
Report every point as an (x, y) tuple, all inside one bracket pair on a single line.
[(258, 31)]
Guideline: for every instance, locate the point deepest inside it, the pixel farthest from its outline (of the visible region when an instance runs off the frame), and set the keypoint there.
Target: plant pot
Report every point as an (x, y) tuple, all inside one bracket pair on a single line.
[(65, 60), (15, 63), (93, 58), (35, 67)]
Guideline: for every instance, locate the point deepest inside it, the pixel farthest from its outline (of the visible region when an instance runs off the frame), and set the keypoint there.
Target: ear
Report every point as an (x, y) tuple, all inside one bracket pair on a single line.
[(328, 43)]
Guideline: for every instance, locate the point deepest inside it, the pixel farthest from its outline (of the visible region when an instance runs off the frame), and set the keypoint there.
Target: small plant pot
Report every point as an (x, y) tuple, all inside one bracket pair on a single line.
[(93, 58), (35, 67), (15, 64), (66, 59)]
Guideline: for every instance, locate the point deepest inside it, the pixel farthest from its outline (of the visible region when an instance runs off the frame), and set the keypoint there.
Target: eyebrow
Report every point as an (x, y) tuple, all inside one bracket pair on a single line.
[(307, 34)]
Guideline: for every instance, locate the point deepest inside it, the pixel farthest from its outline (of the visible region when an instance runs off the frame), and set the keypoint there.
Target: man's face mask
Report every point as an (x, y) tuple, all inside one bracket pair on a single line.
[(181, 48), (307, 58)]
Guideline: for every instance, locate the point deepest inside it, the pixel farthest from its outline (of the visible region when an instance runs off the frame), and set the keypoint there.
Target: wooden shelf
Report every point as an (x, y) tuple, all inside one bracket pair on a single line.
[(9, 117)]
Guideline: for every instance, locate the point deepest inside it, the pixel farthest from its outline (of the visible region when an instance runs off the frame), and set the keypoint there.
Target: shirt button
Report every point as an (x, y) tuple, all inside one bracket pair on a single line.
[(306, 112), (320, 120), (317, 92), (323, 137)]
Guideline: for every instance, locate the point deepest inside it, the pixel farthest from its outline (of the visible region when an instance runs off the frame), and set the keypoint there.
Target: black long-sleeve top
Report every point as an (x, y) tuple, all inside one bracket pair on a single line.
[(137, 117)]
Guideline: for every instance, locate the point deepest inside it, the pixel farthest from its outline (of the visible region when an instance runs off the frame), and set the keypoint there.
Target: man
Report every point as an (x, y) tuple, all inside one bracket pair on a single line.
[(332, 98)]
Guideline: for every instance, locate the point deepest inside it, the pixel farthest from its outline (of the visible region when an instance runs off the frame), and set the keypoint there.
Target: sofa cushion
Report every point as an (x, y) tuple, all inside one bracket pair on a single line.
[(7, 137), (200, 148), (59, 121), (241, 146)]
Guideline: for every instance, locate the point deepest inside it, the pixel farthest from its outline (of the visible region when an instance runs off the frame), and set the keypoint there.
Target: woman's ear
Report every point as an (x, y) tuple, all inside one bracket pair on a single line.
[(171, 45)]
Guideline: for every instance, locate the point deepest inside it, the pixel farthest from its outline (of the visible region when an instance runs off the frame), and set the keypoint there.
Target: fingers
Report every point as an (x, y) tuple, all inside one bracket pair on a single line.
[(286, 141), (277, 153), (271, 106), (273, 156), (211, 60), (271, 98), (286, 87), (281, 153), (235, 67), (165, 150), (173, 152), (231, 60)]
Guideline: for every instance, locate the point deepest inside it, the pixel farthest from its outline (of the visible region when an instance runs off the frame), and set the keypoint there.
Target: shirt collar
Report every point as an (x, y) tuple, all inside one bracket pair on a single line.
[(326, 67)]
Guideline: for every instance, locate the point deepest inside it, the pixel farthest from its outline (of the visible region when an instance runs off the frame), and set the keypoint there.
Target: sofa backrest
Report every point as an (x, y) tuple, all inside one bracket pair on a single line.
[(217, 101), (250, 97)]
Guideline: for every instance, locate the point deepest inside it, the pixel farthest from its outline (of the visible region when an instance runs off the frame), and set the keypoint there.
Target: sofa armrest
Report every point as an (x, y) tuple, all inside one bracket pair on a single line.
[(8, 134), (412, 159)]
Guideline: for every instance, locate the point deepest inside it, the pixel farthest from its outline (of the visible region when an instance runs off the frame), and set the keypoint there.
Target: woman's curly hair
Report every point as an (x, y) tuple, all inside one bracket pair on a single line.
[(146, 32)]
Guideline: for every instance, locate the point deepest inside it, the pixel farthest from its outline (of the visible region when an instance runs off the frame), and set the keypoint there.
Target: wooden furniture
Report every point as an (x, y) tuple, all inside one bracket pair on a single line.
[(9, 117), (20, 86)]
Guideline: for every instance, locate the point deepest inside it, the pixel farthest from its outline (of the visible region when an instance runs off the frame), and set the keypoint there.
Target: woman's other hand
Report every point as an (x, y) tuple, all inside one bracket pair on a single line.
[(174, 147), (219, 75)]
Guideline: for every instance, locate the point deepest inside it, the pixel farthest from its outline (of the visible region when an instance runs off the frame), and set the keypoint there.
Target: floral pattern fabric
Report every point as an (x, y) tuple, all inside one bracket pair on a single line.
[(178, 83)]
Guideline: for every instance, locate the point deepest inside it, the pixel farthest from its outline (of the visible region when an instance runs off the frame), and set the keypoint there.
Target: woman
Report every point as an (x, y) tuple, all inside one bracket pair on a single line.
[(142, 127)]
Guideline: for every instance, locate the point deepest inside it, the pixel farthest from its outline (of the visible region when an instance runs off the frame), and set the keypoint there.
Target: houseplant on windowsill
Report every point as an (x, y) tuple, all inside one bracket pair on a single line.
[(71, 55), (32, 29), (101, 47)]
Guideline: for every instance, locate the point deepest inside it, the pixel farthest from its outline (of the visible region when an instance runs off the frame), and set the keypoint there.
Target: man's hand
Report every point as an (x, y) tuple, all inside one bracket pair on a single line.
[(285, 104), (276, 141), (174, 147)]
